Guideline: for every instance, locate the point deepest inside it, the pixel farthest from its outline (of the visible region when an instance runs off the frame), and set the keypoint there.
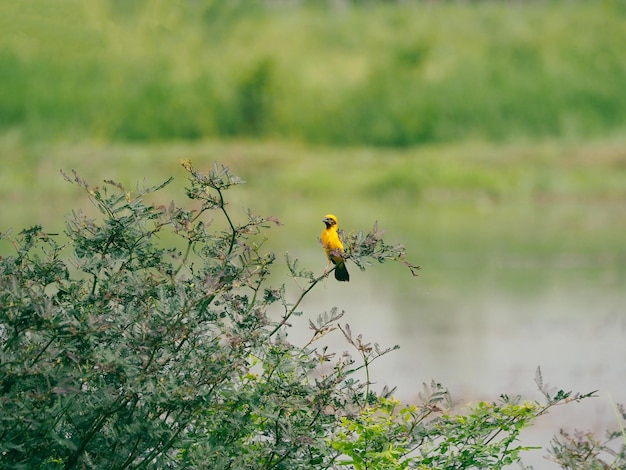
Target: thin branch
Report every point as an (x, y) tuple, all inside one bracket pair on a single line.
[(294, 306)]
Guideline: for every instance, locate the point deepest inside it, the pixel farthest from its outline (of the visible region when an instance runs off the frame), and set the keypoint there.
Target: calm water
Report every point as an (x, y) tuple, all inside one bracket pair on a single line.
[(490, 342)]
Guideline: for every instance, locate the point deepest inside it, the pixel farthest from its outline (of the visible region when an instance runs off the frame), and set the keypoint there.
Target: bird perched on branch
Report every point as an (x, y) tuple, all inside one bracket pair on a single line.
[(334, 248)]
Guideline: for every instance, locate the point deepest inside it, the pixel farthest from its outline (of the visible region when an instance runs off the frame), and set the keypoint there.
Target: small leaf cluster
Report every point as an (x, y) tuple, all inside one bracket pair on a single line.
[(387, 435), (120, 348), (362, 248), (582, 449)]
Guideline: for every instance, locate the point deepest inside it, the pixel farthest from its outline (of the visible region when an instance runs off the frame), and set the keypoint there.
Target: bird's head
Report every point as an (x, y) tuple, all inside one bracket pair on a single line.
[(329, 220)]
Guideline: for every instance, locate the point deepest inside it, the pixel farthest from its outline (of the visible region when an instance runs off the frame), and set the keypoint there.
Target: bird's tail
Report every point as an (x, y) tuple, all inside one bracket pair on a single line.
[(341, 272)]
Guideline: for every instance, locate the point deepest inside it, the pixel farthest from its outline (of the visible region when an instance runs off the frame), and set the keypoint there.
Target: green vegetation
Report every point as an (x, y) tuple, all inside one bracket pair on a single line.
[(119, 351), (376, 73), (527, 214), (489, 136)]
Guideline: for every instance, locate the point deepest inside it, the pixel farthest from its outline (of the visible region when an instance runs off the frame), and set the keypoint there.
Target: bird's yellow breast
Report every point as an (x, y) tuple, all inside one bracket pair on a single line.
[(332, 244)]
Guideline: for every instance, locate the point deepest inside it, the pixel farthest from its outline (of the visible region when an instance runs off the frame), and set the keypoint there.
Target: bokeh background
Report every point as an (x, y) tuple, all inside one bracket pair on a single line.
[(487, 137)]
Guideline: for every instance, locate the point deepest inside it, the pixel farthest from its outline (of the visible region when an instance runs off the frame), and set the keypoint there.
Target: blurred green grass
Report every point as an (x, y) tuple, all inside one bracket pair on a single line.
[(472, 214), (377, 73), (486, 136)]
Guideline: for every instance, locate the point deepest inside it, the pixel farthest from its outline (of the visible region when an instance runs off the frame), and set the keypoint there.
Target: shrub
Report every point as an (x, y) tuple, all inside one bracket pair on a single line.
[(117, 351), (584, 450)]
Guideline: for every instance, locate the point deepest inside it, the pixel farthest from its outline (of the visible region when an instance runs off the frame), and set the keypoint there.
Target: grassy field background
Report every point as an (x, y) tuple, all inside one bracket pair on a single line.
[(515, 215), (489, 137), (369, 73)]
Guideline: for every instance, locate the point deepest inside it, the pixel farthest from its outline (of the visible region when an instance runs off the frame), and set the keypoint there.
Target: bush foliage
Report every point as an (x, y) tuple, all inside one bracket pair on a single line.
[(118, 351)]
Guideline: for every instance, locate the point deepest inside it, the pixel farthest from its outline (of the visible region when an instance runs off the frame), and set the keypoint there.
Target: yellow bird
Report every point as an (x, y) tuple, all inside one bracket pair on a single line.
[(334, 248)]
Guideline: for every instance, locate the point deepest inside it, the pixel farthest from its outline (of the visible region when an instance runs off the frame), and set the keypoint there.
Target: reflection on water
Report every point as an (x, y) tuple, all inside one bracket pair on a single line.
[(489, 344)]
